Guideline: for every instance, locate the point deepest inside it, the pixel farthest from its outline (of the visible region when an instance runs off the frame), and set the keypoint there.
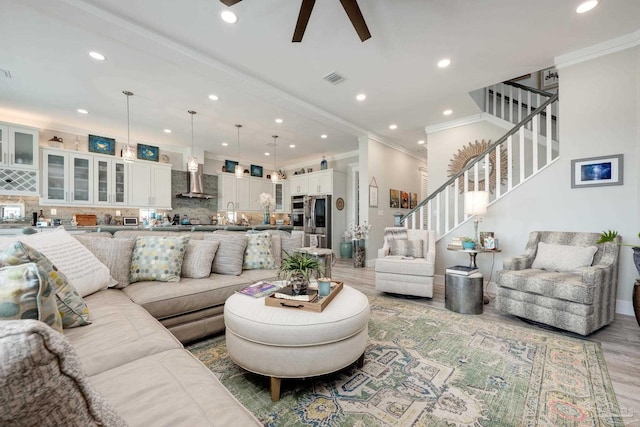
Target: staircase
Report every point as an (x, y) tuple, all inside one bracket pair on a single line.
[(527, 148)]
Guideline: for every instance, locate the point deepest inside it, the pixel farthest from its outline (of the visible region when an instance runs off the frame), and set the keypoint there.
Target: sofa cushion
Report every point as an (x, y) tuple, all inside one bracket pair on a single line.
[(158, 258), (417, 267), (120, 331), (198, 258), (114, 253), (257, 255), (230, 253), (554, 257), (25, 293), (561, 285), (73, 310), (411, 248), (173, 389), (135, 233), (42, 383)]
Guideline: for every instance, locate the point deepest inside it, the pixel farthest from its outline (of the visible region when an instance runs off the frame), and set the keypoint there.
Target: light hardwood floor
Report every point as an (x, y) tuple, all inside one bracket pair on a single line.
[(620, 341)]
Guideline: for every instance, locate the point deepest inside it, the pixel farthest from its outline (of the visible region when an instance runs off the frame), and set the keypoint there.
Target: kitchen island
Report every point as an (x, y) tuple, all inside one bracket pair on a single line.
[(18, 228)]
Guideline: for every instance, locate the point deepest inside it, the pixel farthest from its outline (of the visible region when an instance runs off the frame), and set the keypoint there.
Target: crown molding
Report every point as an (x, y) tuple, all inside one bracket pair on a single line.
[(598, 50), (463, 121)]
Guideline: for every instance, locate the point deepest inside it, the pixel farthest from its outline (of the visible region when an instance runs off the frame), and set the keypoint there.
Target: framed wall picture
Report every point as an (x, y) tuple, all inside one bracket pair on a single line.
[(148, 152), (597, 171), (404, 200), (414, 200), (256, 171), (394, 198), (549, 78), (102, 145), (373, 193), (230, 166)]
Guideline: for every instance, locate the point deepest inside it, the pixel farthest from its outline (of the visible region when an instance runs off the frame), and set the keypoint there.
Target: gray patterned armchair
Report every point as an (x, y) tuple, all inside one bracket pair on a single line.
[(562, 279)]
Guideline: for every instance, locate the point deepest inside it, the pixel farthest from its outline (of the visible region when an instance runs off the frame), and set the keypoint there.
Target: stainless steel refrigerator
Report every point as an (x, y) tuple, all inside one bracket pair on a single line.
[(317, 221)]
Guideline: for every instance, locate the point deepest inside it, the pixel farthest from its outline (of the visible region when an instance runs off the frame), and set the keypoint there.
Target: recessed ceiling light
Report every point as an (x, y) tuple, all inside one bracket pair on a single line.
[(421, 142), (267, 153), (586, 6), (213, 97), (323, 136), (361, 97), (447, 112), (443, 63), (229, 17), (279, 121), (393, 127), (225, 144), (97, 55), (167, 131), (82, 111), (292, 145)]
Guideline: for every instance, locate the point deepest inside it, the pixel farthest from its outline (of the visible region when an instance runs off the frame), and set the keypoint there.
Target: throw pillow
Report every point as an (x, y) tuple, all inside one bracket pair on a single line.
[(158, 258), (82, 268), (73, 311), (25, 293), (198, 258), (230, 253), (411, 248), (257, 255), (114, 253), (554, 257), (291, 242), (42, 382)]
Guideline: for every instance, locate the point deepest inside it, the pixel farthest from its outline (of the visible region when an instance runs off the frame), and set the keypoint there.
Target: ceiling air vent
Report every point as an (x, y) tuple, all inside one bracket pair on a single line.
[(334, 78), (5, 73)]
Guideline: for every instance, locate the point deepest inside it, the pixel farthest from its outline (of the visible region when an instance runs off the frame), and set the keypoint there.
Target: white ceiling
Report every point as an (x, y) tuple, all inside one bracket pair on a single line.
[(172, 54)]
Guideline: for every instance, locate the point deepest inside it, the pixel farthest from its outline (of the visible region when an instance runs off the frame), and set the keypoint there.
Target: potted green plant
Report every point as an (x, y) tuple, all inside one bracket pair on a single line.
[(468, 243), (296, 269)]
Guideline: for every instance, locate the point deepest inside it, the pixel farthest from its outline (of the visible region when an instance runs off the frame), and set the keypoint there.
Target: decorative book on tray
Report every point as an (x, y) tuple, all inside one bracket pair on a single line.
[(260, 289), (462, 270), (287, 293)]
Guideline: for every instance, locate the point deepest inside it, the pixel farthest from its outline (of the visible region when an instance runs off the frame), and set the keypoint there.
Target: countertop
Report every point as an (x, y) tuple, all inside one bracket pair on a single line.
[(114, 228)]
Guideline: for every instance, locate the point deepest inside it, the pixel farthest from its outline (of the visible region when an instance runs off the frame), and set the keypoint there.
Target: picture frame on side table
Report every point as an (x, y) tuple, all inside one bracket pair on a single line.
[(597, 171), (148, 152), (102, 145), (549, 78)]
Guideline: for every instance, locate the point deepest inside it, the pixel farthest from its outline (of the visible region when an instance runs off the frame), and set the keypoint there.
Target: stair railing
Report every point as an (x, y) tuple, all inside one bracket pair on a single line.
[(533, 151)]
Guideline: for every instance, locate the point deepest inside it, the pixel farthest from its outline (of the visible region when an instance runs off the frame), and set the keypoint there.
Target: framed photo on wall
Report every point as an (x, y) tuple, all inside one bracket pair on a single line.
[(102, 145), (394, 198), (549, 78), (404, 200), (256, 171), (414, 200), (597, 171), (148, 152)]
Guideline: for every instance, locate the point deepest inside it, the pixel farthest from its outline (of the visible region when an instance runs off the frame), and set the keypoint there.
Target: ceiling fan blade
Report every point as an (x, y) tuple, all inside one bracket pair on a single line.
[(230, 3), (355, 15), (303, 20)]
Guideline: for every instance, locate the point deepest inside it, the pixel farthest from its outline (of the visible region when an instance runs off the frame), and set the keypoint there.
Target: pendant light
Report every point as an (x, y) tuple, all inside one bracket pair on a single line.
[(128, 151), (192, 161), (275, 176), (239, 168)]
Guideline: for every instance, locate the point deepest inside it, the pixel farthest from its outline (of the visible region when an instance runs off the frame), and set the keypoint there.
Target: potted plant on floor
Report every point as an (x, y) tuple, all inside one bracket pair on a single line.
[(296, 269)]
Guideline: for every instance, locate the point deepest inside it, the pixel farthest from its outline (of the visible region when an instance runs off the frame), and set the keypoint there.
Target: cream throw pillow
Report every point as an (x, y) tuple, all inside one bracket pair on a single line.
[(198, 258), (563, 257), (412, 248)]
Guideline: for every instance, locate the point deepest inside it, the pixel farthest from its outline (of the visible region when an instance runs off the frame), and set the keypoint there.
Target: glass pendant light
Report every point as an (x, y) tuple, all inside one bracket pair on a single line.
[(275, 176), (192, 161), (239, 168), (128, 151)]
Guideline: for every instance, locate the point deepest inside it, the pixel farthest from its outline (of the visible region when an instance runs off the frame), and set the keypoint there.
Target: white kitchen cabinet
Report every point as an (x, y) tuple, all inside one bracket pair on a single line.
[(67, 178), (243, 194), (19, 146), (320, 182), (149, 185), (256, 187), (282, 196), (299, 184), (110, 181)]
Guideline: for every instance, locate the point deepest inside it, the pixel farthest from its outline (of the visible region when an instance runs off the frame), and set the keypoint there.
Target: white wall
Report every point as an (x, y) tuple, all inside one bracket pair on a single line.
[(599, 116)]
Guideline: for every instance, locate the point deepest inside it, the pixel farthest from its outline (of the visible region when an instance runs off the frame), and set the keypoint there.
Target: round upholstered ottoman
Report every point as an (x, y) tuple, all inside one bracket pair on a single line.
[(292, 343)]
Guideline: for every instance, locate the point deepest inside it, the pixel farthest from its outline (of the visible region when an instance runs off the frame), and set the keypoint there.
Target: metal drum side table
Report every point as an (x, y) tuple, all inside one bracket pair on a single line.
[(464, 294)]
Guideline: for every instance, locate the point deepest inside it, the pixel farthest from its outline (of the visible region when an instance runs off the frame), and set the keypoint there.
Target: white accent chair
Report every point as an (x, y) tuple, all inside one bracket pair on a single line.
[(406, 276)]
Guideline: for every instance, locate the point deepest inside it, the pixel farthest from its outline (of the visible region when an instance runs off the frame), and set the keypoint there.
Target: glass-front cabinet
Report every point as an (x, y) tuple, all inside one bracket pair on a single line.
[(110, 182), (66, 178), (19, 146), (282, 196)]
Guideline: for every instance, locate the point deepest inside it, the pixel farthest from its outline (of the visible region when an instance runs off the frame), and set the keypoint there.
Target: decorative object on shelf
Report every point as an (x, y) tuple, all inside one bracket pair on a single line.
[(107, 219), (128, 152), (296, 269), (148, 152), (394, 198), (468, 154), (56, 142), (256, 171), (266, 202), (339, 203), (229, 166), (192, 161), (468, 243), (549, 78), (597, 171), (475, 204), (238, 169), (102, 144), (164, 158), (323, 164), (309, 170), (373, 193), (359, 234), (77, 143)]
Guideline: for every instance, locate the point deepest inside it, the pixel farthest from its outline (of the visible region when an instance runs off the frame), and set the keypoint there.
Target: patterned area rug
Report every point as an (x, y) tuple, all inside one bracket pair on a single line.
[(431, 367)]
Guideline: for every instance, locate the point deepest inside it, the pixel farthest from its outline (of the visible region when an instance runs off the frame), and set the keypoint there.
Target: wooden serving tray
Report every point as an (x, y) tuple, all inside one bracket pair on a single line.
[(317, 305)]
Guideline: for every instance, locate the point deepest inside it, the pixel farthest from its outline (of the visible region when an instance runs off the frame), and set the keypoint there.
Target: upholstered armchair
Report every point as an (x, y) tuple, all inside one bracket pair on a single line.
[(405, 263), (562, 279)]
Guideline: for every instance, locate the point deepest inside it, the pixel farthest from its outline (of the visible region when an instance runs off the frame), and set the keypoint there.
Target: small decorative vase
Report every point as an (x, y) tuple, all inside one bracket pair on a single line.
[(323, 164), (266, 217), (346, 249), (636, 300), (298, 284), (359, 253)]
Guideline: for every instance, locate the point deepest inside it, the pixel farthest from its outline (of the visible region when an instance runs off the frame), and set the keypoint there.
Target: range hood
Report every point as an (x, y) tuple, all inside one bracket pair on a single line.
[(195, 186)]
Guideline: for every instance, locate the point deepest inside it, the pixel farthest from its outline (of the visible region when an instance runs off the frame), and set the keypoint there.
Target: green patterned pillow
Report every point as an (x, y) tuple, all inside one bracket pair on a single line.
[(73, 311), (258, 254), (25, 293), (158, 258)]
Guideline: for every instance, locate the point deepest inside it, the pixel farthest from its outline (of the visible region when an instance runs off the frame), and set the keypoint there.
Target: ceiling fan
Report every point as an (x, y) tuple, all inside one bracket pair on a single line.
[(350, 6)]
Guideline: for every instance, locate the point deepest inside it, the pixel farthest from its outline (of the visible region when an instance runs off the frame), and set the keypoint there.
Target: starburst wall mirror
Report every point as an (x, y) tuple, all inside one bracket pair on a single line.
[(469, 153)]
